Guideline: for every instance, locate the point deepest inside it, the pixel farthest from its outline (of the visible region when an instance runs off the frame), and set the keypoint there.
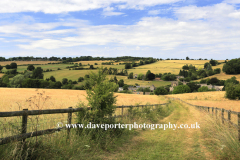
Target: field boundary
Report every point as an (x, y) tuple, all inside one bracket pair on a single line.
[(25, 113), (215, 110)]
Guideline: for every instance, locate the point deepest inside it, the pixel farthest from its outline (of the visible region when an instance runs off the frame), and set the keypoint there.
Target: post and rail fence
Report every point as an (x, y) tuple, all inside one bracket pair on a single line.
[(25, 113), (222, 111)]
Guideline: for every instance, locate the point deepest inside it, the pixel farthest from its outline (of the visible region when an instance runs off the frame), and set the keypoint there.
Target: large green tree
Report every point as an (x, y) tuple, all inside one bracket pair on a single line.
[(37, 73)]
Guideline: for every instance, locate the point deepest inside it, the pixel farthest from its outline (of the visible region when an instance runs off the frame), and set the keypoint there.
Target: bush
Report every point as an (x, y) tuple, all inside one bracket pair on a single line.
[(53, 79), (160, 91), (64, 81), (80, 79), (203, 89), (13, 65), (169, 77), (140, 76), (30, 67), (232, 67), (17, 81), (130, 76), (217, 71), (79, 87), (8, 66), (181, 89), (37, 73), (128, 66), (121, 83), (232, 91)]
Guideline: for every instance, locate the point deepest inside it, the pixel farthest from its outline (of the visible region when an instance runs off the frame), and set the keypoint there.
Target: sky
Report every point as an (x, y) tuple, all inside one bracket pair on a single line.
[(111, 28)]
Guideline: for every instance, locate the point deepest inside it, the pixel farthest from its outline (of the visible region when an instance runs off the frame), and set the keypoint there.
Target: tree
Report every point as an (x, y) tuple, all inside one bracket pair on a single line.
[(231, 80), (80, 64), (146, 90), (91, 67), (8, 66), (125, 87), (30, 67), (1, 67), (100, 96), (80, 79), (13, 65), (160, 91), (64, 81), (217, 71), (233, 91), (140, 76), (193, 86), (203, 89), (130, 76), (181, 89), (5, 79), (185, 67), (213, 62), (53, 79), (187, 58), (37, 73), (232, 66), (149, 75), (17, 80), (121, 83), (128, 66)]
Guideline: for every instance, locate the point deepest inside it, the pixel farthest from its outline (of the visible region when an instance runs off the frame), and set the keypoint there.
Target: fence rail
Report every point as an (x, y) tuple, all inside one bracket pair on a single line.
[(222, 110), (25, 113)]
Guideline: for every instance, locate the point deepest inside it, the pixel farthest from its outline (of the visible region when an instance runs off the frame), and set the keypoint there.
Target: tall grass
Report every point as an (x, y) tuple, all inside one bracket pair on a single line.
[(221, 139)]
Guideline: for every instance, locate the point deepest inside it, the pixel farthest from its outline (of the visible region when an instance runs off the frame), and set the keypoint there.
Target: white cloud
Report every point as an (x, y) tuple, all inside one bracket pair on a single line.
[(211, 30), (232, 1), (112, 13), (154, 12), (63, 6)]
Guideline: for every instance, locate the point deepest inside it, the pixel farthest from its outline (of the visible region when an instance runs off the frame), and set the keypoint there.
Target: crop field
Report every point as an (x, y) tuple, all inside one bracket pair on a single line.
[(14, 99), (210, 99), (27, 62), (167, 66), (223, 76)]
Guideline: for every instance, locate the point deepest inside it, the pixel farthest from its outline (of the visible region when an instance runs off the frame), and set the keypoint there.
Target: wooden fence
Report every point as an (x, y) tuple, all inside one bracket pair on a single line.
[(222, 111), (25, 113)]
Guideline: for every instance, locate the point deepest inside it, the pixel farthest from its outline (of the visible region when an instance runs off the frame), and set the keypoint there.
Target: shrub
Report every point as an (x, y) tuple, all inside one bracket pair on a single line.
[(232, 91), (53, 79), (67, 86), (203, 89), (140, 76), (181, 89), (232, 66), (30, 67), (217, 71), (13, 65), (64, 81), (160, 91), (8, 66), (17, 81), (130, 76), (80, 79)]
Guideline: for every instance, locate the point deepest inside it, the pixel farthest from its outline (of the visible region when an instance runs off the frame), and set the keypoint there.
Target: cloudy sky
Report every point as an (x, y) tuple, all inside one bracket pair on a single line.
[(110, 28)]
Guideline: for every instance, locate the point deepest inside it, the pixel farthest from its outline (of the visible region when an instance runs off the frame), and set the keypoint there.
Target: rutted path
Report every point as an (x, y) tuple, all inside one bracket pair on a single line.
[(169, 144)]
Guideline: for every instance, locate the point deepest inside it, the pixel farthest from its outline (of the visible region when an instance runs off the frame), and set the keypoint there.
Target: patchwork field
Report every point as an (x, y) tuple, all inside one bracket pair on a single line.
[(172, 66)]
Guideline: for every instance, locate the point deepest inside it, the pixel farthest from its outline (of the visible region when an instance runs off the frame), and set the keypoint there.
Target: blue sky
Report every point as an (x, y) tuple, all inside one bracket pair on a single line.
[(110, 28)]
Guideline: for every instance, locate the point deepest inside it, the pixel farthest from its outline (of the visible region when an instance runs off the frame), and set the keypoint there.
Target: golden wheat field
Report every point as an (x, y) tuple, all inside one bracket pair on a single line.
[(172, 66), (14, 99), (27, 62), (224, 76), (210, 99)]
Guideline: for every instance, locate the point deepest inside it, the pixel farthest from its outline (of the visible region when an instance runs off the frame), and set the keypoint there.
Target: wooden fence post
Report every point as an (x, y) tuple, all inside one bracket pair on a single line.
[(24, 122), (208, 109), (212, 111), (122, 110), (216, 112), (222, 116), (69, 121), (239, 126), (229, 116)]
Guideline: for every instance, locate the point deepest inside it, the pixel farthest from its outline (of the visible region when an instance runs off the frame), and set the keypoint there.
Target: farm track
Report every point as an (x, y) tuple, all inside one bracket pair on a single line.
[(168, 144)]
